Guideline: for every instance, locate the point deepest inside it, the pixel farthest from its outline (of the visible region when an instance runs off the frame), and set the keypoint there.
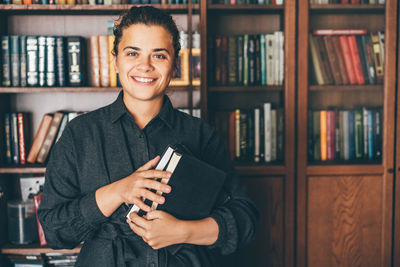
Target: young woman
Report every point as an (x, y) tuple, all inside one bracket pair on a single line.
[(105, 159)]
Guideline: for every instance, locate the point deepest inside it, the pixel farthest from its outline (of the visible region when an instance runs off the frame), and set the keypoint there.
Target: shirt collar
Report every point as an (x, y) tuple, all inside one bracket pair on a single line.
[(167, 115)]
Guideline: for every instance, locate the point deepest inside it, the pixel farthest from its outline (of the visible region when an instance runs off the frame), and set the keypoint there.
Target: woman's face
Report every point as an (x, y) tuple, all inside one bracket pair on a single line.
[(144, 61)]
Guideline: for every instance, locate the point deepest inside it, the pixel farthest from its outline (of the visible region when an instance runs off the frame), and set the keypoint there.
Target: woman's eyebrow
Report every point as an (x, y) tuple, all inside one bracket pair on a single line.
[(154, 50)]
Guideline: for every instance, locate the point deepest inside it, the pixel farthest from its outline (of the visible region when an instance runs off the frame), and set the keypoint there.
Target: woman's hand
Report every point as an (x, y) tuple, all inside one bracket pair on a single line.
[(136, 186), (133, 188), (158, 228)]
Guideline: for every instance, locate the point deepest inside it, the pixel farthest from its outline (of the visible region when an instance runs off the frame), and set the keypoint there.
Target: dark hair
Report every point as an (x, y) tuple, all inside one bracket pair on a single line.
[(147, 15)]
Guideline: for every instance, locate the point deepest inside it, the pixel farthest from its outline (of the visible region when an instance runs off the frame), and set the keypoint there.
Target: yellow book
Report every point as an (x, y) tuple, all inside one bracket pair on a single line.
[(323, 131), (113, 74), (71, 2)]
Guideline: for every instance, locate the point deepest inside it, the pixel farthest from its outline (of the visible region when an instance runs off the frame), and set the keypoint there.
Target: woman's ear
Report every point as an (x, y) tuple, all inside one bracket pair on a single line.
[(114, 60)]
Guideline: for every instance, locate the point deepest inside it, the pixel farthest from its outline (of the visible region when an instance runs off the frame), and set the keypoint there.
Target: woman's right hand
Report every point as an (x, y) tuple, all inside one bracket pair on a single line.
[(135, 187)]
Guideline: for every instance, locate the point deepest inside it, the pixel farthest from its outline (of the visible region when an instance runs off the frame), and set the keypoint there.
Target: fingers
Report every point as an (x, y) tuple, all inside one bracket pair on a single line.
[(158, 186), (155, 214), (135, 228), (150, 164), (139, 221), (156, 174)]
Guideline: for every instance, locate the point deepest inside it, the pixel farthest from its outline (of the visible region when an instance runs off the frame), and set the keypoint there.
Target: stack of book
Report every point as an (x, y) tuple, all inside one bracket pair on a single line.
[(345, 134), (60, 259), (347, 57), (43, 61), (246, 2), (248, 59), (371, 2), (16, 137), (255, 135)]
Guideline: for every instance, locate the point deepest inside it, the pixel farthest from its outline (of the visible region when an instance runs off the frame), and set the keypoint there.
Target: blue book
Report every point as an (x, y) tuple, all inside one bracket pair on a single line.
[(352, 145), (14, 60), (370, 135)]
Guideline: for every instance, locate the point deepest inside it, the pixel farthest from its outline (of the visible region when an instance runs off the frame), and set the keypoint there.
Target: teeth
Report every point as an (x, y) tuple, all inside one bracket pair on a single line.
[(145, 80)]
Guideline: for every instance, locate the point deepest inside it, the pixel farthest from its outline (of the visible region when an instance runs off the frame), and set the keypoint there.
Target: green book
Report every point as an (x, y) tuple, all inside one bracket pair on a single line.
[(263, 68), (14, 58), (22, 60), (232, 60)]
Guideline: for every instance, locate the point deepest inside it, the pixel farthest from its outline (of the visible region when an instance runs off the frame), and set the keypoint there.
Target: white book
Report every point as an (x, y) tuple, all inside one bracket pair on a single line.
[(273, 135), (256, 135), (267, 132), (270, 59), (346, 149), (281, 58), (279, 2), (160, 166)]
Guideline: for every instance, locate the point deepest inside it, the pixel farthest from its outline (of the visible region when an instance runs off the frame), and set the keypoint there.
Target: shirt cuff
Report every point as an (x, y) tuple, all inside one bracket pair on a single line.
[(90, 211)]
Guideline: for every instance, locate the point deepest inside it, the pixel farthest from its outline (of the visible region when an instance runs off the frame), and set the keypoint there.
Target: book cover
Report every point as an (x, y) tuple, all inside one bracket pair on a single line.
[(333, 61), (377, 52), (7, 137), (355, 55), (340, 59), (14, 58), (352, 136), (243, 135), (14, 138), (270, 43), (348, 61), (323, 135), (250, 135), (22, 60), (237, 133), (23, 136), (358, 134), (50, 136), (232, 64), (317, 135), (5, 59), (39, 137), (240, 49), (245, 59), (32, 71), (316, 62)]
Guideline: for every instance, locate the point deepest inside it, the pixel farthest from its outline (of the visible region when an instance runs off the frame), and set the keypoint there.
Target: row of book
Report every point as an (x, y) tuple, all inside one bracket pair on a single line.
[(45, 260), (350, 56), (253, 135), (248, 59), (92, 2), (371, 2), (17, 136), (251, 2), (345, 134)]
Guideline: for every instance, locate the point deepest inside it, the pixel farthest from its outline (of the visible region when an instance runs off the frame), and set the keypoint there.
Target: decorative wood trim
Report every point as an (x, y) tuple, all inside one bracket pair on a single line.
[(245, 88), (35, 249), (349, 88), (339, 170), (260, 170)]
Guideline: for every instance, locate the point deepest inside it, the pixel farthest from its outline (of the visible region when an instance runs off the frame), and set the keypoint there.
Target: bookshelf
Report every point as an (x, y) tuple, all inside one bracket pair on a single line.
[(344, 208), (270, 184)]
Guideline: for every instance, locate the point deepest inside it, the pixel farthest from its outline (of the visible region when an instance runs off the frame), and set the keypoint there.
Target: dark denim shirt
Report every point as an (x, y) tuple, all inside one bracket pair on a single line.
[(106, 145)]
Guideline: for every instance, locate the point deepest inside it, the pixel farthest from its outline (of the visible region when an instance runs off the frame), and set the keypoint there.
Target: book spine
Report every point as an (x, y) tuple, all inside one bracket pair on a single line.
[(256, 135), (237, 133), (42, 60), (218, 59), (316, 62), (276, 57), (232, 134), (257, 59), (252, 60), (378, 134), (22, 136), (32, 60), (75, 48), (15, 63), (333, 61), (368, 58), (232, 64), (39, 138), (51, 134), (358, 134), (323, 132), (270, 42), (250, 144), (317, 135), (243, 135), (113, 73), (377, 52), (363, 61), (281, 57), (7, 136), (240, 49), (325, 68), (245, 59), (95, 70), (340, 31), (224, 60), (103, 59), (330, 134), (64, 123), (344, 44), (263, 60), (310, 140), (355, 54), (273, 135), (36, 201), (22, 60), (267, 132), (50, 61), (337, 135), (346, 135), (365, 133), (14, 138), (60, 52), (5, 53), (352, 139), (340, 59), (370, 135)]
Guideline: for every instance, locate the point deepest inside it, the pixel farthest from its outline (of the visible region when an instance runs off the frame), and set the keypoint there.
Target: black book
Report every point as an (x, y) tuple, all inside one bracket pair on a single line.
[(76, 61), (195, 185)]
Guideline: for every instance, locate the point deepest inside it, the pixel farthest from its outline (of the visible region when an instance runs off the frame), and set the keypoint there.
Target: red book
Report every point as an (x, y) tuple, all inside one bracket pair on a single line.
[(23, 136), (340, 32), (348, 62), (36, 202), (355, 56), (355, 1), (345, 1), (330, 134)]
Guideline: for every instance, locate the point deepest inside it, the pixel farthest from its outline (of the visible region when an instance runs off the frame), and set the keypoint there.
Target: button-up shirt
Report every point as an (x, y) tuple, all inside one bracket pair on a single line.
[(106, 145)]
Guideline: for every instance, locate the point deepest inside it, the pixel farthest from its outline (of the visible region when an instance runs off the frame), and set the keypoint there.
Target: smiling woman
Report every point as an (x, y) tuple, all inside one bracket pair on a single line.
[(106, 158)]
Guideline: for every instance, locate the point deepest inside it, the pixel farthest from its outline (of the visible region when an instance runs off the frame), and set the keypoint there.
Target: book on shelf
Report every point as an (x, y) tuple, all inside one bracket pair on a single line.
[(39, 137), (195, 185), (5, 57), (346, 56), (50, 137), (345, 135), (23, 135), (76, 60)]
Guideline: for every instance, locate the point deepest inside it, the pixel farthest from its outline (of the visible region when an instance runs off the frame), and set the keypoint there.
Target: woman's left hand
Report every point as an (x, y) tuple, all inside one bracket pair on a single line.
[(158, 228)]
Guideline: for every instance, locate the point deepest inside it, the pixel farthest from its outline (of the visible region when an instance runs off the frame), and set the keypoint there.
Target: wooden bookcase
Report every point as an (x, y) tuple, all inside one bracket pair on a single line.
[(271, 186), (345, 211)]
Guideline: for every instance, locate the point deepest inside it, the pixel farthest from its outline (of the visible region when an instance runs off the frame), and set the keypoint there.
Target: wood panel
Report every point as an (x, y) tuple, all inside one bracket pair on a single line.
[(344, 221), (268, 247)]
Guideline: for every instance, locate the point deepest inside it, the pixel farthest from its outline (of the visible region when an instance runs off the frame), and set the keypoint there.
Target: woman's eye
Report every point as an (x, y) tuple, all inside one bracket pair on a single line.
[(160, 56), (132, 54)]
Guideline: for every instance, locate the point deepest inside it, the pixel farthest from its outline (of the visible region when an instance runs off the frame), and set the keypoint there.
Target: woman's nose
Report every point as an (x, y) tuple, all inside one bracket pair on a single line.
[(145, 64)]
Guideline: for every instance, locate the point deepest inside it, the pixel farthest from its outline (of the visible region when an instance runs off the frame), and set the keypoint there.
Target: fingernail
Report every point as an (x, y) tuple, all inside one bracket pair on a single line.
[(161, 200), (168, 189)]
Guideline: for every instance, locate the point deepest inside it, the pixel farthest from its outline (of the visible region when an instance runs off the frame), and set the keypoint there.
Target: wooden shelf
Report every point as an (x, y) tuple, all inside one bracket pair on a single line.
[(84, 9), (17, 90), (20, 169), (342, 169), (249, 170), (245, 88), (35, 249), (349, 88), (348, 8), (245, 8)]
